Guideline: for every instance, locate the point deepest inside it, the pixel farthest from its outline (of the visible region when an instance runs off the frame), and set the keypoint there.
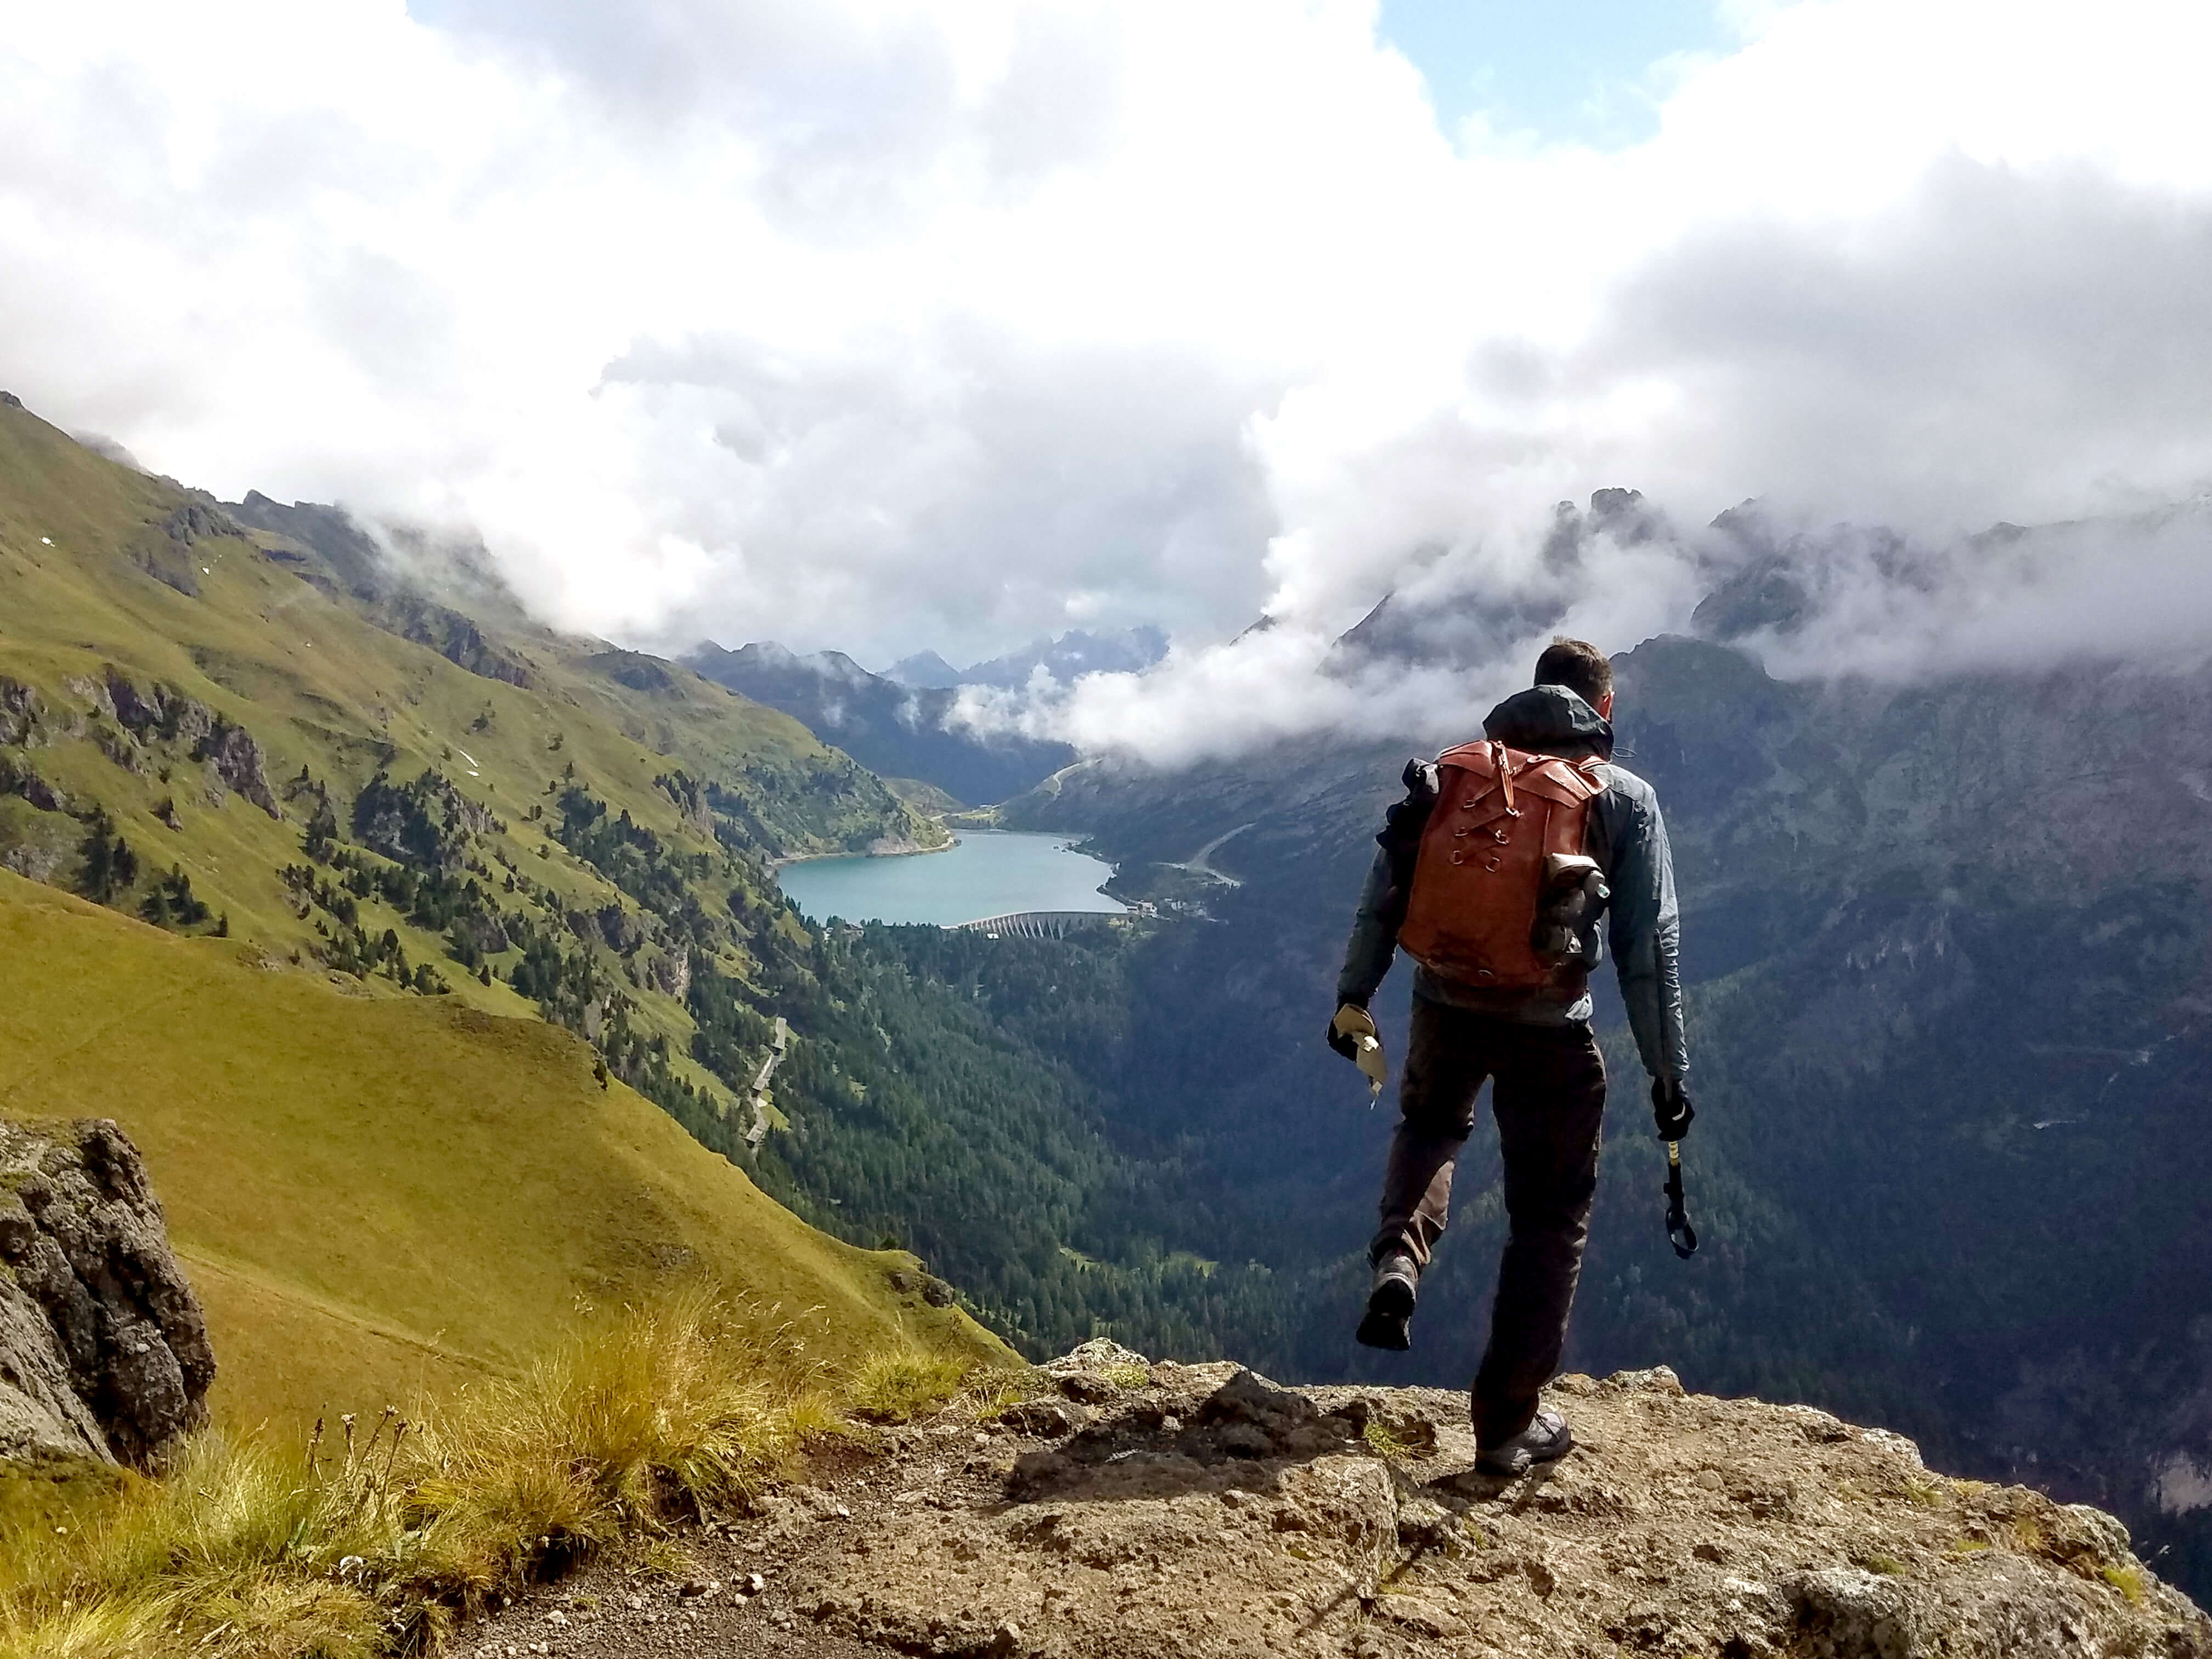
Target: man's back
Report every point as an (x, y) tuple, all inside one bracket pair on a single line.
[(1627, 837)]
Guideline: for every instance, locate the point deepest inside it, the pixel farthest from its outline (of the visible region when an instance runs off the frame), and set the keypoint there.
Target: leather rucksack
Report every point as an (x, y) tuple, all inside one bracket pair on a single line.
[(1501, 866)]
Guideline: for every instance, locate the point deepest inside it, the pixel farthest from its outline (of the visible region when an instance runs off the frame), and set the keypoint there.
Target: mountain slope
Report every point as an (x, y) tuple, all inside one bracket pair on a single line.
[(901, 732), (161, 667), (261, 734), (375, 1194)]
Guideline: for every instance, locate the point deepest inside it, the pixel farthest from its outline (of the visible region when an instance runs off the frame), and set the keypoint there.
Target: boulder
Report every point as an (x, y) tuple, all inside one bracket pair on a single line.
[(104, 1353)]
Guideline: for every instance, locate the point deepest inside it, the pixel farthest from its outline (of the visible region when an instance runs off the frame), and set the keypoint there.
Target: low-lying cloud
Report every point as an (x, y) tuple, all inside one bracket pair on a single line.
[(882, 324), (1840, 600)]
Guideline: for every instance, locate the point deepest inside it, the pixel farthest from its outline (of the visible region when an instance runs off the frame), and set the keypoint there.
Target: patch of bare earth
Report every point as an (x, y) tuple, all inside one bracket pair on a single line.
[(1142, 1511)]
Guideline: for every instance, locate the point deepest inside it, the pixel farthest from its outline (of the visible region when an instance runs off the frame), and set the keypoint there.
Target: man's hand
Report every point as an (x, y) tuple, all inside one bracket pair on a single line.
[(1352, 1035), (1670, 1109)]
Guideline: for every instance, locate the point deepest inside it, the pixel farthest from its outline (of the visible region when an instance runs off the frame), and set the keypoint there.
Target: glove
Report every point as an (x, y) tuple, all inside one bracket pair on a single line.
[(1670, 1109), (1352, 1035), (1342, 1032)]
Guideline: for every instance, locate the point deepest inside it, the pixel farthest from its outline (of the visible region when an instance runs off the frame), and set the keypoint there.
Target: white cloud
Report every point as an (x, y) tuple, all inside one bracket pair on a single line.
[(885, 325)]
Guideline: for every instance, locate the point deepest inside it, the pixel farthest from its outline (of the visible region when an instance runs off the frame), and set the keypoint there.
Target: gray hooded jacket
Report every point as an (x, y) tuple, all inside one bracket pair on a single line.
[(1628, 839)]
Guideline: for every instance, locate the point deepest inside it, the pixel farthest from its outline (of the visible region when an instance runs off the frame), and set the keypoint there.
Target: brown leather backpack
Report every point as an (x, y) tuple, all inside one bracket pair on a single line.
[(1505, 834)]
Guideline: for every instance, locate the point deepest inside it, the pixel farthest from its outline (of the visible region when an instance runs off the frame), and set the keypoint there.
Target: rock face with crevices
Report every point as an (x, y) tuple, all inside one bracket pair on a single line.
[(1201, 1510), (103, 1351)]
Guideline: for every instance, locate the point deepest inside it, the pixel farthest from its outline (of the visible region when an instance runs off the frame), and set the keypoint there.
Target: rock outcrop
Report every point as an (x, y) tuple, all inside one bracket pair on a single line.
[(1135, 1511), (103, 1351)]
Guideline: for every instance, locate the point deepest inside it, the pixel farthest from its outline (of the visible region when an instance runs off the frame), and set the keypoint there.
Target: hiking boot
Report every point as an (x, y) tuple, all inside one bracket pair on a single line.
[(1547, 1439), (1390, 1304)]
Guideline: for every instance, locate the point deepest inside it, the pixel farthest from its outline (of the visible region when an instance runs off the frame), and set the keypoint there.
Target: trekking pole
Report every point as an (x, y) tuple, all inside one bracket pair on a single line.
[(1682, 1235)]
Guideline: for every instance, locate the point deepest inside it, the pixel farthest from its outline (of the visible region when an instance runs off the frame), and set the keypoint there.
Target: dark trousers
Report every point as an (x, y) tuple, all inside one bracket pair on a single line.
[(1549, 1102)]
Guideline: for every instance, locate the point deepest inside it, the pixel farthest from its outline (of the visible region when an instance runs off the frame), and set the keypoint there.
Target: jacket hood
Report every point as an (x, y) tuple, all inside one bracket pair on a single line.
[(1550, 720)]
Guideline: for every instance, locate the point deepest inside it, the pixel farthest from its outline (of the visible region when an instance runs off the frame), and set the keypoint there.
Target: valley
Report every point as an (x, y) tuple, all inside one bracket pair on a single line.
[(1946, 1027)]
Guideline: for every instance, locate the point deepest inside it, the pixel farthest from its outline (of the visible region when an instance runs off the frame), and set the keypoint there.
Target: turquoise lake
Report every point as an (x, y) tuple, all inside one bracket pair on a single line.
[(992, 873)]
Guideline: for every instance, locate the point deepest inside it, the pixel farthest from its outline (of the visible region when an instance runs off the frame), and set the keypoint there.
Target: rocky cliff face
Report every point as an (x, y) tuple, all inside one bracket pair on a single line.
[(1146, 1510), (103, 1351)]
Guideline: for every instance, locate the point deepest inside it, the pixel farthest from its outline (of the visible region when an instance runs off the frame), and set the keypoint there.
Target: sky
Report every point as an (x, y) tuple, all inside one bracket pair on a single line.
[(1589, 72), (885, 325)]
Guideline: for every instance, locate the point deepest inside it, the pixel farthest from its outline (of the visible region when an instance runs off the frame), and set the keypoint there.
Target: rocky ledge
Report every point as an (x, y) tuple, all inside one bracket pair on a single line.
[(103, 1351), (1137, 1510)]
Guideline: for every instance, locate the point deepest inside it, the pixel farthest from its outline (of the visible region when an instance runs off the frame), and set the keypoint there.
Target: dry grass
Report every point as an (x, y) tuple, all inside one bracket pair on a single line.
[(374, 1539), (896, 1385)]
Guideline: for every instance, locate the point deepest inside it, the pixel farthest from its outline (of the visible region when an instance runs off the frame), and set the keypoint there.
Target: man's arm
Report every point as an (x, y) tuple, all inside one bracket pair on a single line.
[(1646, 934), (1374, 941)]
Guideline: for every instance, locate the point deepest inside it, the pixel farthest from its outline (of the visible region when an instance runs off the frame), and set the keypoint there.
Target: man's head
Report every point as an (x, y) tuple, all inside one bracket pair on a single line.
[(1582, 669)]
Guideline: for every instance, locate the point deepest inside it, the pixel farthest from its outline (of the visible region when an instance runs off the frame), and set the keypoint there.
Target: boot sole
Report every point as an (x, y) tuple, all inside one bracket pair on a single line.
[(1525, 1460), (1389, 1309)]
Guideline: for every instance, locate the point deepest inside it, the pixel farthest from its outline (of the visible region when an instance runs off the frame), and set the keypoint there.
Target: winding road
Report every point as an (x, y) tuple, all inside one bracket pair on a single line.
[(758, 1132)]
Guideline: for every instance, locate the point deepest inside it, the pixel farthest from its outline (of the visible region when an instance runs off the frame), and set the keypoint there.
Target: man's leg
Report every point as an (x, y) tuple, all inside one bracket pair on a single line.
[(1445, 1064), (1550, 1105)]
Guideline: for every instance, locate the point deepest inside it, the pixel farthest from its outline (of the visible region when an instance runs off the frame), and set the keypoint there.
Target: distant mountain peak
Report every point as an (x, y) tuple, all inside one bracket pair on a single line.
[(924, 670), (1074, 653)]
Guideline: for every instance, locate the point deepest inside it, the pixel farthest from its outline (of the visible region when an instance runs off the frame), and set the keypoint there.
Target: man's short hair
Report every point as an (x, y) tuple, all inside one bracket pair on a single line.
[(1578, 665)]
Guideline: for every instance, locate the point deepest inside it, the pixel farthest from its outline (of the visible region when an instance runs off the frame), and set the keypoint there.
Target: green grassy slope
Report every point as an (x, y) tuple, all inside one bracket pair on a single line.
[(383, 1165), (109, 578), (372, 1194)]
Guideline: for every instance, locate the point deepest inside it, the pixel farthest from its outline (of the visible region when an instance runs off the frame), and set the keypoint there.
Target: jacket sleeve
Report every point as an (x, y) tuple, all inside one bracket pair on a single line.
[(1646, 934), (1374, 941)]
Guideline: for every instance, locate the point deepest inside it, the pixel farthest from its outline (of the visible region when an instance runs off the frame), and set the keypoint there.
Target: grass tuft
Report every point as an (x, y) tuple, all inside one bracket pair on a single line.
[(2129, 1581), (901, 1384), (366, 1543), (1385, 1444)]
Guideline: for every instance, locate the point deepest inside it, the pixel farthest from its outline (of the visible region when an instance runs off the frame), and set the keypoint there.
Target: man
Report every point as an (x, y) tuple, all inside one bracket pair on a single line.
[(1526, 1031)]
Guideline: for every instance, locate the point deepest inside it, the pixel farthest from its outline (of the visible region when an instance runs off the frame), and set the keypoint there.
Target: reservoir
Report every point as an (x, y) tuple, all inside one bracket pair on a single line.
[(991, 872)]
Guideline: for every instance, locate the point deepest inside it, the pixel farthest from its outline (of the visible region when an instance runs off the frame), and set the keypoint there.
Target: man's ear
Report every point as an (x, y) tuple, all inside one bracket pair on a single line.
[(1605, 706)]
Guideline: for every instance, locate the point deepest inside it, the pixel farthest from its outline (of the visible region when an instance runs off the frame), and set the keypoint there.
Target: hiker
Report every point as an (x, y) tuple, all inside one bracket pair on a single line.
[(1493, 873)]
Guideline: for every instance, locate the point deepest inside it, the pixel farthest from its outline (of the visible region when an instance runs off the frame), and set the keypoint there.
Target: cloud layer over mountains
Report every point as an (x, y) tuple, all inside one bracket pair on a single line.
[(887, 326)]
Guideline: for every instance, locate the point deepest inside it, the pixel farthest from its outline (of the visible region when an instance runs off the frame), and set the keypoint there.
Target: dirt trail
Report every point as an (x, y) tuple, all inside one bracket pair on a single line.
[(1137, 1512)]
